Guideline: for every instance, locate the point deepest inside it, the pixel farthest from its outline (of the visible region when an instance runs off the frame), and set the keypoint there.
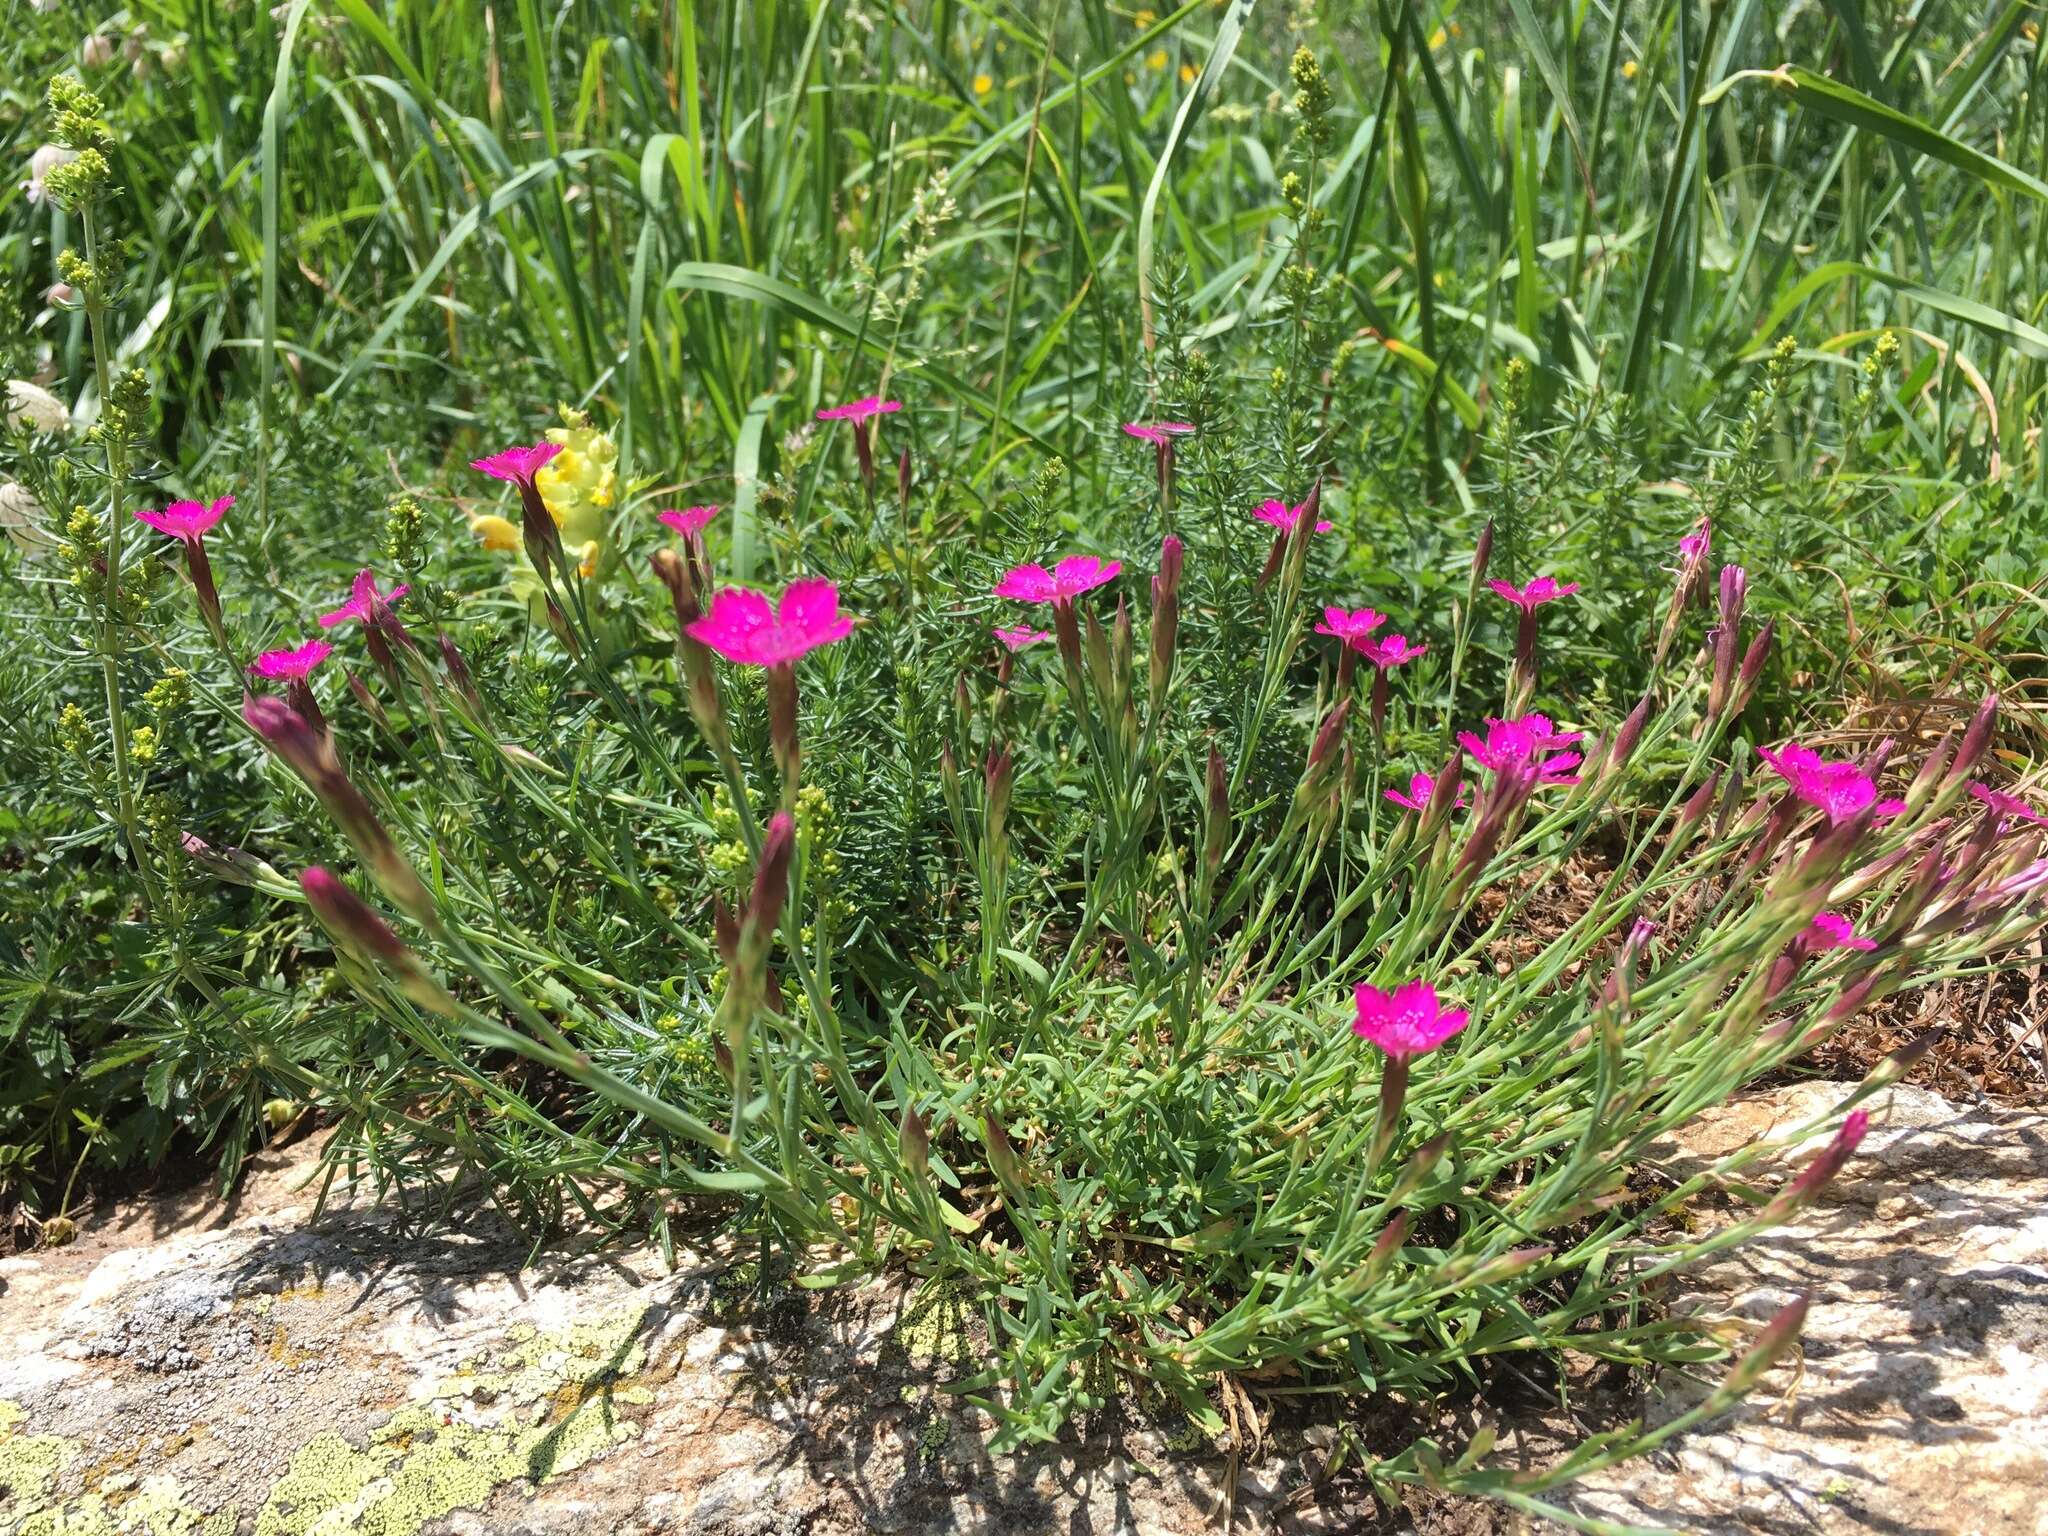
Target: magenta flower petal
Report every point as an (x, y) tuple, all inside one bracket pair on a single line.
[(1420, 787), (1831, 930), (861, 409), (292, 664), (1839, 790), (1083, 573), (1279, 515), (1541, 590), (1062, 584), (1022, 636), (1389, 650), (1406, 1022), (1350, 624), (187, 520), (1159, 434), (745, 628), (365, 603), (1027, 584), (1530, 740), (689, 520), (517, 465), (2004, 806)]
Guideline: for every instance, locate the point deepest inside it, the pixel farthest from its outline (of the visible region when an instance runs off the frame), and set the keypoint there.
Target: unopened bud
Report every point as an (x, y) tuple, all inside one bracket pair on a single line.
[(1976, 739), (913, 1142)]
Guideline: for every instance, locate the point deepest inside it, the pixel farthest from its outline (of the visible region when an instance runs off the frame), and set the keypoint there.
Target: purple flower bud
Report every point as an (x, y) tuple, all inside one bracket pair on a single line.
[(1976, 738), (913, 1142), (351, 923), (310, 754), (1626, 738), (1776, 1340), (1216, 824), (1752, 667), (771, 890)]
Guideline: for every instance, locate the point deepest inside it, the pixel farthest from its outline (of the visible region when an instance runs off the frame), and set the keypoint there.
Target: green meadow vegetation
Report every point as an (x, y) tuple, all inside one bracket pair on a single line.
[(1185, 670)]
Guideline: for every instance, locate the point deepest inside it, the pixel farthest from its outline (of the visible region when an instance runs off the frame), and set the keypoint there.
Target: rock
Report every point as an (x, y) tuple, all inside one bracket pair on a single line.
[(35, 407), (1923, 1401), (263, 1372)]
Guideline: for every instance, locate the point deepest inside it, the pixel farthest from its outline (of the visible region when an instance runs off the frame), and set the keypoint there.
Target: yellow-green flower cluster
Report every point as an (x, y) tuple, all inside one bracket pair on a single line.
[(579, 488), (581, 485)]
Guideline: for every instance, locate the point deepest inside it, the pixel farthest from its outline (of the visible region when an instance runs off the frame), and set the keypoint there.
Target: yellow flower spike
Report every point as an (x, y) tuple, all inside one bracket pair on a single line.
[(1628, 69), (1156, 59), (1187, 74), (1144, 19), (498, 535), (582, 481), (1438, 38), (983, 84)]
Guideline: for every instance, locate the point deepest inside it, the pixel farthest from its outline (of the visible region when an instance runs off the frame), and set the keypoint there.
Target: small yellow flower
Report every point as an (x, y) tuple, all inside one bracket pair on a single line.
[(1156, 59), (1144, 19), (498, 535), (1628, 69), (983, 84), (1438, 37), (1187, 74)]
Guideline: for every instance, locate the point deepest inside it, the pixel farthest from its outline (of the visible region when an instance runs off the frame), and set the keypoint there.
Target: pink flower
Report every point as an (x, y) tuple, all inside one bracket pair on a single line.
[(1420, 787), (1160, 434), (1389, 650), (1062, 584), (1543, 589), (1022, 636), (187, 520), (292, 665), (1513, 744), (1833, 931), (861, 409), (1406, 1022), (517, 466), (365, 602), (743, 627), (2006, 807), (1693, 547), (1837, 789), (1350, 626), (688, 521), (1285, 518)]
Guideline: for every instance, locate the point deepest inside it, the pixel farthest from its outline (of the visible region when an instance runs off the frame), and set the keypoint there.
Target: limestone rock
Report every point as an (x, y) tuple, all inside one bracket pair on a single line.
[(1923, 1402)]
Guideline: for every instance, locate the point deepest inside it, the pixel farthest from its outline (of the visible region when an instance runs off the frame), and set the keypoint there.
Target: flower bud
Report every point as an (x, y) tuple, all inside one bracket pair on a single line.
[(1003, 1160), (1776, 1341), (1976, 738), (1626, 738), (913, 1142), (1929, 778), (771, 890), (1482, 554), (233, 865), (1165, 620), (1823, 1168), (1752, 667), (351, 923), (310, 754), (1386, 1246), (1216, 823)]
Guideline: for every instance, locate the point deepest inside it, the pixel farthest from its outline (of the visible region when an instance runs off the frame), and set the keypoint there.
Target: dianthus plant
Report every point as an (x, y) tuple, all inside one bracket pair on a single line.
[(1325, 1080)]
